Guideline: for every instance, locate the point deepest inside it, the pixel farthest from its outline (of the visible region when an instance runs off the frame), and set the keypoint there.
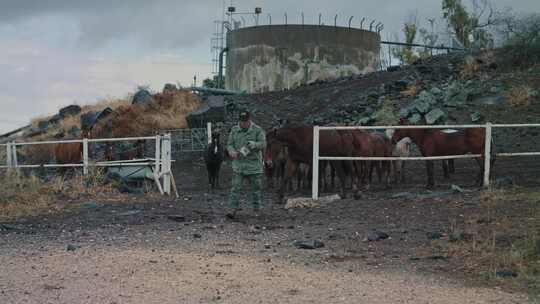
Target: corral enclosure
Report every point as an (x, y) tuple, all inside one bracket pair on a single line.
[(276, 57)]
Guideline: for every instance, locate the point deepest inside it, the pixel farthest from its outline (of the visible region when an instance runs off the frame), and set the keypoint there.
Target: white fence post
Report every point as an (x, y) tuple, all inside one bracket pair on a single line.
[(209, 131), (315, 163), (85, 156), (157, 169), (9, 163), (15, 162), (487, 155), (166, 163)]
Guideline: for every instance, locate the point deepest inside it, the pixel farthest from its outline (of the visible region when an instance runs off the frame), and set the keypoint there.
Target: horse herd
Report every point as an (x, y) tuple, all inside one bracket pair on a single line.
[(289, 153)]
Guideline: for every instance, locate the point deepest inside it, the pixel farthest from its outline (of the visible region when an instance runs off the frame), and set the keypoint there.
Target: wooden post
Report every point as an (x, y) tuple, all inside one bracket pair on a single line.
[(487, 155), (315, 163), (85, 156)]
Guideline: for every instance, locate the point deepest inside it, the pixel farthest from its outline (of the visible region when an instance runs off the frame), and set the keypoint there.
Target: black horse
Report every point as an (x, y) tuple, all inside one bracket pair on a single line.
[(213, 158)]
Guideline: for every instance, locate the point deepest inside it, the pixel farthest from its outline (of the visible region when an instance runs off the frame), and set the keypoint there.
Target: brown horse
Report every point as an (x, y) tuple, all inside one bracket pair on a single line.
[(275, 159), (300, 147), (382, 147), (71, 153), (433, 142)]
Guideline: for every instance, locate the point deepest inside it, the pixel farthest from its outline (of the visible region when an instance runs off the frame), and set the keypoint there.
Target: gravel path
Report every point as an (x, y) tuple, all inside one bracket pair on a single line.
[(104, 268)]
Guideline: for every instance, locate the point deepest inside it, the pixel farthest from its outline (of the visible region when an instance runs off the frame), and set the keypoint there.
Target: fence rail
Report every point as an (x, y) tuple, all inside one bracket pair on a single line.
[(160, 164), (486, 155)]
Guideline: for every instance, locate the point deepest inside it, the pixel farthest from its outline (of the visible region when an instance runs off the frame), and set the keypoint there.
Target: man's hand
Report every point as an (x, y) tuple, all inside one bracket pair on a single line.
[(251, 144), (233, 154)]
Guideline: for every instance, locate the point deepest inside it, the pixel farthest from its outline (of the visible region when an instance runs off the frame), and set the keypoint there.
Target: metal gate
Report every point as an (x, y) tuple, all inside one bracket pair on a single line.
[(188, 141)]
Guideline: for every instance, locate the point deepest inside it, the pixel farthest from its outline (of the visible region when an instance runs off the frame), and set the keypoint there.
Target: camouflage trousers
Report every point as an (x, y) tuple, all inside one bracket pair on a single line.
[(255, 183)]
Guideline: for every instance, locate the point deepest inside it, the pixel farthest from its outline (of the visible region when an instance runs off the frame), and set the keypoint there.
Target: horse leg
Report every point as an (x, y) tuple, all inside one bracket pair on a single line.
[(290, 171), (445, 169), (333, 176), (451, 166), (341, 176), (402, 172), (429, 169), (380, 170), (387, 173), (479, 179)]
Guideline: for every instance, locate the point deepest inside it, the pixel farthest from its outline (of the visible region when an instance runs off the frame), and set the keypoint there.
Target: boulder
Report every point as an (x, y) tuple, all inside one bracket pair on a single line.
[(308, 244), (376, 235), (55, 119), (434, 115), (142, 97), (169, 87), (104, 113), (88, 120), (73, 132), (213, 110), (43, 125), (476, 116), (70, 110), (415, 118)]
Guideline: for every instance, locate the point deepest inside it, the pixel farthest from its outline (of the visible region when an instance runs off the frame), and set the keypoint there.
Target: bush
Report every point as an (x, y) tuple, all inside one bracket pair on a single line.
[(520, 96), (522, 46)]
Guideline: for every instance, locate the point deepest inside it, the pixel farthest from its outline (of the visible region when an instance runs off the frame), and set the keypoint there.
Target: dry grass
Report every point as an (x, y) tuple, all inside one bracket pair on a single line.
[(31, 196), (520, 95), (113, 103), (501, 236), (168, 112), (411, 91)]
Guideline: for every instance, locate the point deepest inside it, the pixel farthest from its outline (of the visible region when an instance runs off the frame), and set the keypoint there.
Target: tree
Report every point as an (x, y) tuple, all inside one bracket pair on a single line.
[(429, 38), (410, 30), (470, 28), (210, 83), (522, 39)]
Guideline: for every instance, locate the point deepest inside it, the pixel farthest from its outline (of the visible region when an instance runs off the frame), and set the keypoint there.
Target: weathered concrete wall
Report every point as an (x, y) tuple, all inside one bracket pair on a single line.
[(276, 57)]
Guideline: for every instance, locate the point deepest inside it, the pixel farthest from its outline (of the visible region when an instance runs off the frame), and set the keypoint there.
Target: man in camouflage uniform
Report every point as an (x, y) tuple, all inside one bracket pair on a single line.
[(244, 146)]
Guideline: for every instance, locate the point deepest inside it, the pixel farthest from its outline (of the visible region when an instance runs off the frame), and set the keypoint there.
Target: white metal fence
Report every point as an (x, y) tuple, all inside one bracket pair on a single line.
[(487, 151), (160, 164)]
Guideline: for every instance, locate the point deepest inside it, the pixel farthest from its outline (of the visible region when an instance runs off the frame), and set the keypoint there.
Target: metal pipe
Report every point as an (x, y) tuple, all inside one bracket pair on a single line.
[(269, 19), (362, 23), (320, 17), (302, 18), (220, 72), (285, 18), (335, 20), (422, 45), (371, 25), (350, 20), (216, 91)]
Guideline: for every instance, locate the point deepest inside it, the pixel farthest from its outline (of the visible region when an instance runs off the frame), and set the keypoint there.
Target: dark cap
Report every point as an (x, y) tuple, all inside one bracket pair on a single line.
[(244, 116)]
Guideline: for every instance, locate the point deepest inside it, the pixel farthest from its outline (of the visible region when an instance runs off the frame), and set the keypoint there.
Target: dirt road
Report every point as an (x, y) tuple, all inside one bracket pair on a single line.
[(134, 252)]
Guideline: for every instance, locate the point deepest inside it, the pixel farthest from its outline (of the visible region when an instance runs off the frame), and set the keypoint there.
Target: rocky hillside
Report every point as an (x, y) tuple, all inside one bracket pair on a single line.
[(446, 89)]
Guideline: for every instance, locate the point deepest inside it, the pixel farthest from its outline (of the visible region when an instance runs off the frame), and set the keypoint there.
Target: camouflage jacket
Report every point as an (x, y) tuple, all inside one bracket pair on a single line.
[(252, 163)]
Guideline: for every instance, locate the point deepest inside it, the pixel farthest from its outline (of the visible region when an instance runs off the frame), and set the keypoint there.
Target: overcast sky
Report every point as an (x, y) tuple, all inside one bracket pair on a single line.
[(57, 52)]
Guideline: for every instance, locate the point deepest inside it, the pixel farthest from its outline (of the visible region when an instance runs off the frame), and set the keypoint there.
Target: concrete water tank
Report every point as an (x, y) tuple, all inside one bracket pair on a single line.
[(277, 57)]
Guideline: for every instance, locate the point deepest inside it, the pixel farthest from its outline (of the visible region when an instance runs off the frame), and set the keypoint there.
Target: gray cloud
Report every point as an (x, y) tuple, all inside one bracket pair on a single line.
[(188, 23)]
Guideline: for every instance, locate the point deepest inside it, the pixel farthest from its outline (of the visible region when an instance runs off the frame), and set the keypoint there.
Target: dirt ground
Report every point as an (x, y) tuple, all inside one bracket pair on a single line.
[(142, 249)]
